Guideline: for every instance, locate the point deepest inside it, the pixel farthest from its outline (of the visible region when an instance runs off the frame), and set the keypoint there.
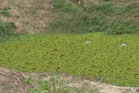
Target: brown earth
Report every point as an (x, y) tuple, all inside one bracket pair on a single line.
[(14, 82), (11, 82), (29, 15)]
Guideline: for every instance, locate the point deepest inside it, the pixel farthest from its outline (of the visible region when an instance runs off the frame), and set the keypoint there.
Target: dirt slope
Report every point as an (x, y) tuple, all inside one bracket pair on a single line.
[(28, 15), (32, 16)]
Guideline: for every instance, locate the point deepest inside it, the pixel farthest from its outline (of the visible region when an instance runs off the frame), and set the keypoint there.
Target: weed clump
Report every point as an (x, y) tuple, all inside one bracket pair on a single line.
[(5, 11), (64, 6), (7, 30)]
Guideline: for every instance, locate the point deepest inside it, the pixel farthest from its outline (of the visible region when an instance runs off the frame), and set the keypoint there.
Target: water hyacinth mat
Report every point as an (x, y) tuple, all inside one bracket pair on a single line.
[(114, 58)]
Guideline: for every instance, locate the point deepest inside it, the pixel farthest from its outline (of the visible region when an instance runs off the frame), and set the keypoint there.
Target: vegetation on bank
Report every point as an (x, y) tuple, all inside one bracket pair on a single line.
[(7, 31), (7, 28), (58, 84), (103, 17)]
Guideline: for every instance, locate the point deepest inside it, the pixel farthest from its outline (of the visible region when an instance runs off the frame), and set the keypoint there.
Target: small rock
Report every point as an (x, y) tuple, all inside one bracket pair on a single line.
[(88, 42), (44, 91), (79, 2), (119, 33), (137, 90), (133, 89), (123, 44)]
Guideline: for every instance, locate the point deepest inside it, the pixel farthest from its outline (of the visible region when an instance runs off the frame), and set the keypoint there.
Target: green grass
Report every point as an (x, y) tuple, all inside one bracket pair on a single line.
[(104, 57), (103, 17), (64, 6)]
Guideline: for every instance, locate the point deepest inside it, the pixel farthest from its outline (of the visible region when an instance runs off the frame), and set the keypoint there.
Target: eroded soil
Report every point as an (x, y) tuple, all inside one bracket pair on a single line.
[(14, 82)]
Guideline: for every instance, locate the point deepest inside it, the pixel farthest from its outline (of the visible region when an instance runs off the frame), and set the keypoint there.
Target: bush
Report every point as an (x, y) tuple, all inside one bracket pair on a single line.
[(6, 30)]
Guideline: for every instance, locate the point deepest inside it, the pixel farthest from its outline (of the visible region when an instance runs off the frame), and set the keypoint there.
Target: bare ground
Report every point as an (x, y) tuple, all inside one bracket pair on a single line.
[(14, 82), (11, 82), (30, 16)]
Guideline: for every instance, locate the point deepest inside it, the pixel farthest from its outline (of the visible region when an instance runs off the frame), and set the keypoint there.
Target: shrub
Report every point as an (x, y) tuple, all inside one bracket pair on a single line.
[(6, 30)]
